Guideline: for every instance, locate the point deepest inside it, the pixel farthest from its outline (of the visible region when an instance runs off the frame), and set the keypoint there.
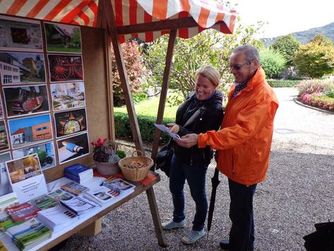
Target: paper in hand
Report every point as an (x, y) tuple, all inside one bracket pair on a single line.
[(165, 129)]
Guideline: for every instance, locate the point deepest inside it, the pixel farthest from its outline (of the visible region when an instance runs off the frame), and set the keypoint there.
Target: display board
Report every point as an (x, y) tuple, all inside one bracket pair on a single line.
[(43, 106)]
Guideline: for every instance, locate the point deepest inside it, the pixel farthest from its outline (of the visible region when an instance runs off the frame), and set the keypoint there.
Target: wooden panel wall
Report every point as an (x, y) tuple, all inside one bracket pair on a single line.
[(94, 59)]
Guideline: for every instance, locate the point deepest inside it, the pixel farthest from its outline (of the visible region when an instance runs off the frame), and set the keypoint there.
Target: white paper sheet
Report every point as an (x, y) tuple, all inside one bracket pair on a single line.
[(165, 129)]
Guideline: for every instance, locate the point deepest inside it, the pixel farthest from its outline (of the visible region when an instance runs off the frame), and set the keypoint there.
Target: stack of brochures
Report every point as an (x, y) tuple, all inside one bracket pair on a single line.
[(22, 212), (74, 188), (7, 200), (68, 197), (44, 202), (110, 192), (79, 173), (57, 218), (28, 234)]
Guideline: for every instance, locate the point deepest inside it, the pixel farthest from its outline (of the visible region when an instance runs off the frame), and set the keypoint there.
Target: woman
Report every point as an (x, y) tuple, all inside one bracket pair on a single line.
[(199, 113)]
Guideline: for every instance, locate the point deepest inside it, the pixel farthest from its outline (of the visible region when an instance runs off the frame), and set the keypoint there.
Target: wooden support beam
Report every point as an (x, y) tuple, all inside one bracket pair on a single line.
[(155, 216), (110, 26), (169, 24), (110, 96), (164, 89), (93, 229)]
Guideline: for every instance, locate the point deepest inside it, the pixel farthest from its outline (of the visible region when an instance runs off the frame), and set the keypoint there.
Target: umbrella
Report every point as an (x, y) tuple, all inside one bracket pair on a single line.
[(215, 182)]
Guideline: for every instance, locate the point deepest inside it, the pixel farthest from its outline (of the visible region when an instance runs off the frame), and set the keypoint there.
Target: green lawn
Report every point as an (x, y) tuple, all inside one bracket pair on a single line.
[(149, 107)]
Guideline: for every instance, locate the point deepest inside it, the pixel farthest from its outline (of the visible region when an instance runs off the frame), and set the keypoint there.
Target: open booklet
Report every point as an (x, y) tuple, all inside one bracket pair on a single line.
[(165, 129)]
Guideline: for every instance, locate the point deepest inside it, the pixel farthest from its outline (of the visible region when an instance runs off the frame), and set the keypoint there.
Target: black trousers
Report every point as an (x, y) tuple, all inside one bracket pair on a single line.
[(241, 214)]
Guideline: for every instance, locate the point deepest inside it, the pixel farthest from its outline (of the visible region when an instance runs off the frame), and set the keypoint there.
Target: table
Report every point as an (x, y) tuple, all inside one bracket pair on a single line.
[(91, 223)]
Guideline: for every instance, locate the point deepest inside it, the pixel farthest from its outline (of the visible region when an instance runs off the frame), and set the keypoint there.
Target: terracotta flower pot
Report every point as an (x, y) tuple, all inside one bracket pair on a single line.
[(106, 168)]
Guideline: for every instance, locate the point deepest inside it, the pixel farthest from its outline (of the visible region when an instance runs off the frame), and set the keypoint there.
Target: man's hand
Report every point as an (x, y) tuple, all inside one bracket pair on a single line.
[(188, 140)]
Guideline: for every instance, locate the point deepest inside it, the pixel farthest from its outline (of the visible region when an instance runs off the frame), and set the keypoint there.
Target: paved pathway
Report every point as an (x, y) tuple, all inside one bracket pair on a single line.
[(300, 128), (297, 193)]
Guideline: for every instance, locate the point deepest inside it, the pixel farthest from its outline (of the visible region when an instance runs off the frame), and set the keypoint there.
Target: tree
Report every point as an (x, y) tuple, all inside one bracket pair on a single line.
[(316, 58), (287, 46), (208, 47), (272, 62), (135, 69)]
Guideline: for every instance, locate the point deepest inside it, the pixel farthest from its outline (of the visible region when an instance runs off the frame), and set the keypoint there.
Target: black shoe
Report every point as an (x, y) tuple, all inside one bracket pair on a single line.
[(225, 245)]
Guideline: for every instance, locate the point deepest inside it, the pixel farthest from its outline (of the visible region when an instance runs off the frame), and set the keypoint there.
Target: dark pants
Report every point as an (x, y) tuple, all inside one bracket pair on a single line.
[(195, 176), (241, 214)]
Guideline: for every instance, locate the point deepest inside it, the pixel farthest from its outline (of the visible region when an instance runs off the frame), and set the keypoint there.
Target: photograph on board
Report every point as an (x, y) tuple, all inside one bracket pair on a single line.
[(72, 147), (21, 68), (45, 152), (20, 34), (62, 37), (1, 109), (22, 100), (65, 67), (70, 122), (30, 130), (4, 181), (3, 136), (68, 95)]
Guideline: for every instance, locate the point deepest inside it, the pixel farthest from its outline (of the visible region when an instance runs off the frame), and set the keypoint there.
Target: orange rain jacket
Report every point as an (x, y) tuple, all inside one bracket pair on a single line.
[(244, 141)]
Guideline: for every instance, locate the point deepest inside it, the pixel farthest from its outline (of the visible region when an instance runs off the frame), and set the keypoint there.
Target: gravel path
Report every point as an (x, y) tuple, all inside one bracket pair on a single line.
[(297, 193)]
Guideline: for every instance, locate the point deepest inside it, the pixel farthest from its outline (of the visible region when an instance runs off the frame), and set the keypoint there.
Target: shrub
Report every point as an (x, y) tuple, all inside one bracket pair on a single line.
[(287, 46), (272, 62), (316, 58), (317, 93), (330, 94), (135, 69), (138, 97), (315, 86), (282, 83), (146, 125), (323, 102)]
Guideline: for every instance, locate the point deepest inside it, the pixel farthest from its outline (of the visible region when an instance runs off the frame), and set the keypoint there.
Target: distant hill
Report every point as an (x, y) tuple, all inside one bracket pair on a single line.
[(305, 36)]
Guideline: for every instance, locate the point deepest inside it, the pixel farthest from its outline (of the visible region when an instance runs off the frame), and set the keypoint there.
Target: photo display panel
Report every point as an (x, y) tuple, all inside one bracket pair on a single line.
[(42, 98)]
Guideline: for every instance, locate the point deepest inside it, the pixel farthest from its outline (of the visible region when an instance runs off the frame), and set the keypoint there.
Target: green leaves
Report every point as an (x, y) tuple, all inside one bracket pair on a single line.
[(316, 58), (272, 62), (208, 47), (288, 46)]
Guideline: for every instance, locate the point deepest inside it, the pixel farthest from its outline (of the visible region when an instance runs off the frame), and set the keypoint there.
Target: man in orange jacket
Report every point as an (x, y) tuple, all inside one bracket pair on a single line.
[(243, 142)]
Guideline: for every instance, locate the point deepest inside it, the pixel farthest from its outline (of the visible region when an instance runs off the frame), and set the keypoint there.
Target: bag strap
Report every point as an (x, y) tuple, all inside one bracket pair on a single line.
[(193, 117)]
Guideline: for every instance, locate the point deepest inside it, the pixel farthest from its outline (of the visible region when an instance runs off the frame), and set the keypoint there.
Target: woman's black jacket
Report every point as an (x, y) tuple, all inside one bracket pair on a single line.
[(209, 118)]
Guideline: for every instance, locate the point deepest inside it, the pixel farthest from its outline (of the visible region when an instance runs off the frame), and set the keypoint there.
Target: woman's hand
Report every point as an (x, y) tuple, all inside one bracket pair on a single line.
[(174, 128)]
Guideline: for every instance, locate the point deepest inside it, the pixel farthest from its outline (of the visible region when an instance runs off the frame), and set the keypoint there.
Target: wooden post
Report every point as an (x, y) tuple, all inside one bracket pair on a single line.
[(111, 120), (109, 24), (155, 216), (164, 89), (92, 229)]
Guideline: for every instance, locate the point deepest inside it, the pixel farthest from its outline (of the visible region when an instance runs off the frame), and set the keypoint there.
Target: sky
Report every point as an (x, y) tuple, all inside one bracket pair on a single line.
[(283, 17)]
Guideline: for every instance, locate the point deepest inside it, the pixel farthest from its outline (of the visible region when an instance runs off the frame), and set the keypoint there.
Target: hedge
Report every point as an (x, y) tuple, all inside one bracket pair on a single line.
[(282, 82), (146, 125)]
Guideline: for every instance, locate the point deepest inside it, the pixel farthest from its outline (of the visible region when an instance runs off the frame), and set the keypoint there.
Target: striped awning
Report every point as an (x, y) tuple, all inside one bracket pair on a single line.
[(129, 14)]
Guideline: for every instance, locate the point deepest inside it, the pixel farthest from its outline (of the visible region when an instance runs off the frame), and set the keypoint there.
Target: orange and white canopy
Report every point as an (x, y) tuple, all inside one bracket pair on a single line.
[(206, 13)]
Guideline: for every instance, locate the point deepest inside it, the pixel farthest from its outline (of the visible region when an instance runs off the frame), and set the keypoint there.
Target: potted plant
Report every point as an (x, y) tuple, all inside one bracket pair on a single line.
[(106, 156)]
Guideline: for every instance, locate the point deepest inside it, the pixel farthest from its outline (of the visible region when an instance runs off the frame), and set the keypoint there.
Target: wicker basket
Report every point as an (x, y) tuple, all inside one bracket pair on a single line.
[(133, 173)]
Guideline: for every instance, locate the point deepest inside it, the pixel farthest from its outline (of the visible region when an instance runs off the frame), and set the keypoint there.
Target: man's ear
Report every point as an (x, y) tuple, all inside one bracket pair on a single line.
[(255, 64)]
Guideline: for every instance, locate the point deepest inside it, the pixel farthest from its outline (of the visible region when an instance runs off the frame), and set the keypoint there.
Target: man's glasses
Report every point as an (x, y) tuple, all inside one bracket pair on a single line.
[(237, 67)]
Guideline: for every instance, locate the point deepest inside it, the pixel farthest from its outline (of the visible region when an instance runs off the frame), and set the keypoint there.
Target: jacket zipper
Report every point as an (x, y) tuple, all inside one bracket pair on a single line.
[(191, 157), (233, 165)]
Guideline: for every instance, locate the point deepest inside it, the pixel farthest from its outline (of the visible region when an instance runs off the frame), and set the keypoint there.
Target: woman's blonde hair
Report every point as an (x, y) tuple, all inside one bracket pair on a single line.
[(209, 73)]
